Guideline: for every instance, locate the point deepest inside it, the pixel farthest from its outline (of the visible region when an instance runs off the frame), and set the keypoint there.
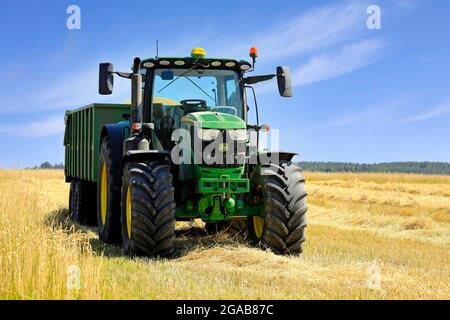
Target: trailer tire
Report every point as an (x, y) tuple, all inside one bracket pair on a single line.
[(73, 184), (282, 229), (72, 197), (82, 199), (108, 195), (148, 209)]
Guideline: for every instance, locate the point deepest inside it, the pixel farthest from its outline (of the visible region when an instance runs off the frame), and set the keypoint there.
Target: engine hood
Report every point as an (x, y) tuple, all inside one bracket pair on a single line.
[(214, 120)]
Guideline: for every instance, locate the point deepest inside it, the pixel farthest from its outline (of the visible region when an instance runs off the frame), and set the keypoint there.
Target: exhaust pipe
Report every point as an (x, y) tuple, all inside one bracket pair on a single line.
[(136, 97), (136, 107)]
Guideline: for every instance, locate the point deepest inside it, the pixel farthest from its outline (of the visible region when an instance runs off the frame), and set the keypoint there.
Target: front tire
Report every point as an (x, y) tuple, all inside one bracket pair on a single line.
[(108, 194), (282, 227), (148, 209)]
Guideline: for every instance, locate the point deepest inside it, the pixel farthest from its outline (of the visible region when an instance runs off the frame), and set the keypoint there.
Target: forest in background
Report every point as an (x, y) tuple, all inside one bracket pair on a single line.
[(442, 168)]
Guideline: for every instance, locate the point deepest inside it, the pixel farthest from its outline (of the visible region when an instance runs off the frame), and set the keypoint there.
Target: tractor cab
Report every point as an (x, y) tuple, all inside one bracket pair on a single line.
[(177, 87)]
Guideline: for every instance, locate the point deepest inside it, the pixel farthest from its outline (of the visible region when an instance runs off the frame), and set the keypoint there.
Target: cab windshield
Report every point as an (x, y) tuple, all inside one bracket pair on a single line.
[(200, 89)]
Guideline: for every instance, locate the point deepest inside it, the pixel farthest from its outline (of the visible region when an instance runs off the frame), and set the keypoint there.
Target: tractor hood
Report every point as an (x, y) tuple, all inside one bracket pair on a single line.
[(214, 120)]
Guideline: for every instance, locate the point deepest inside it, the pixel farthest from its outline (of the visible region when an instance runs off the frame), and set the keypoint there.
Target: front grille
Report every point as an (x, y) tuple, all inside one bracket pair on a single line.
[(224, 154)]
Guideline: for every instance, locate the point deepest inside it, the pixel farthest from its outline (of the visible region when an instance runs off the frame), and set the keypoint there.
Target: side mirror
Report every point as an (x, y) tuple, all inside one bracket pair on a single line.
[(106, 78), (284, 81)]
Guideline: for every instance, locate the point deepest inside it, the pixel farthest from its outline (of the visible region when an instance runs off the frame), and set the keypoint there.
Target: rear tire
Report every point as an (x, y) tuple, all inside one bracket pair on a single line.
[(282, 229), (82, 200), (148, 209), (108, 195)]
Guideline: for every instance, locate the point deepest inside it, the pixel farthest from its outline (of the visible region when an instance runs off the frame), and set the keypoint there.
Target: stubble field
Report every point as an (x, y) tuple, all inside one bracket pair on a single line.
[(370, 236)]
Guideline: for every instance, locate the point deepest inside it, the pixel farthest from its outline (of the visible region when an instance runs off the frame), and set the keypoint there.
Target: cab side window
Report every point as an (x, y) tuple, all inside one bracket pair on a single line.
[(231, 91)]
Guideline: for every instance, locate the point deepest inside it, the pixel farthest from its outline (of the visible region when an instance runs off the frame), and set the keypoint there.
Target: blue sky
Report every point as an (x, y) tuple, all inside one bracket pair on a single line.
[(359, 95)]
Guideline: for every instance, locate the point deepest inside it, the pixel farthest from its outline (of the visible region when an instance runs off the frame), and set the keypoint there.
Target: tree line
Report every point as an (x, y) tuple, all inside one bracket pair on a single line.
[(48, 165), (442, 168), (391, 167)]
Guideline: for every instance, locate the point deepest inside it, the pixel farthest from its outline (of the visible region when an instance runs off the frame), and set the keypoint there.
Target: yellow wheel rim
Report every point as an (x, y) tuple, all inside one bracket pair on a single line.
[(128, 212), (258, 226), (104, 194)]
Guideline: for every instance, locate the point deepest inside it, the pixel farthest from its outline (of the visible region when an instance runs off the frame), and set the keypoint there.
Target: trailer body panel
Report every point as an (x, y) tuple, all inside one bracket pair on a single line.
[(82, 137)]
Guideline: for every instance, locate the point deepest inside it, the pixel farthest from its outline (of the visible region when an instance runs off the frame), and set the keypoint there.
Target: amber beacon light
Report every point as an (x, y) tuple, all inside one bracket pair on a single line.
[(254, 54)]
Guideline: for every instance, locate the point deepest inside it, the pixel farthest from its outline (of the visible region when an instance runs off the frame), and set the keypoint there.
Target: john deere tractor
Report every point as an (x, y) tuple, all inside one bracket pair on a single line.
[(182, 150)]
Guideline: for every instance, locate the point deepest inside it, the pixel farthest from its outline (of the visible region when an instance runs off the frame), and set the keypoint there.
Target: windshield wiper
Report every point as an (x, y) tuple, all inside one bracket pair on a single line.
[(181, 75), (200, 88)]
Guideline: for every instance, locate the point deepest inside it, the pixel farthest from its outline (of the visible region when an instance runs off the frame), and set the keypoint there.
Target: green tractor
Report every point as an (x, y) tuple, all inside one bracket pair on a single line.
[(182, 150)]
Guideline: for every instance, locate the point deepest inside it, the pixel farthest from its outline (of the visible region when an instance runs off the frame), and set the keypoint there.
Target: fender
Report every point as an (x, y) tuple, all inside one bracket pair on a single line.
[(282, 155), (116, 134)]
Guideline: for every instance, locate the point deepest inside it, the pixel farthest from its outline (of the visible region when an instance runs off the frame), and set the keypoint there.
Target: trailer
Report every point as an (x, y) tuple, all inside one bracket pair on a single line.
[(82, 140)]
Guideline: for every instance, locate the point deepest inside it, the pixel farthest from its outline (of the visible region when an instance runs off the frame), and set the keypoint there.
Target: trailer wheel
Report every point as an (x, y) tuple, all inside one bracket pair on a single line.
[(72, 198), (282, 228), (148, 209), (82, 202), (108, 195)]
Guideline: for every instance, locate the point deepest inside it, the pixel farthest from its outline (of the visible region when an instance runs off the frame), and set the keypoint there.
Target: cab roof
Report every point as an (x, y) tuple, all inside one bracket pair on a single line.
[(186, 62)]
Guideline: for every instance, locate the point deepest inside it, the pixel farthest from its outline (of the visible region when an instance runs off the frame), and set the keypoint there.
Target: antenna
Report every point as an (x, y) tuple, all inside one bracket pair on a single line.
[(157, 49)]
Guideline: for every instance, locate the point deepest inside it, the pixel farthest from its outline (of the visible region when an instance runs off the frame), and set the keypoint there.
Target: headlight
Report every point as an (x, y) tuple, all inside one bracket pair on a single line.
[(238, 134), (208, 134)]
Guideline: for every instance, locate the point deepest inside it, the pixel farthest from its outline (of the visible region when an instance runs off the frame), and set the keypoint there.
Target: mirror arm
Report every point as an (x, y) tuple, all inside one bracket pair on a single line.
[(256, 79), (125, 75)]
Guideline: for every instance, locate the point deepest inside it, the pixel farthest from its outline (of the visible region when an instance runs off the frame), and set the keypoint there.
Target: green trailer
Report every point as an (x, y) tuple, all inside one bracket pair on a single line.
[(182, 150), (83, 137), (82, 140)]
